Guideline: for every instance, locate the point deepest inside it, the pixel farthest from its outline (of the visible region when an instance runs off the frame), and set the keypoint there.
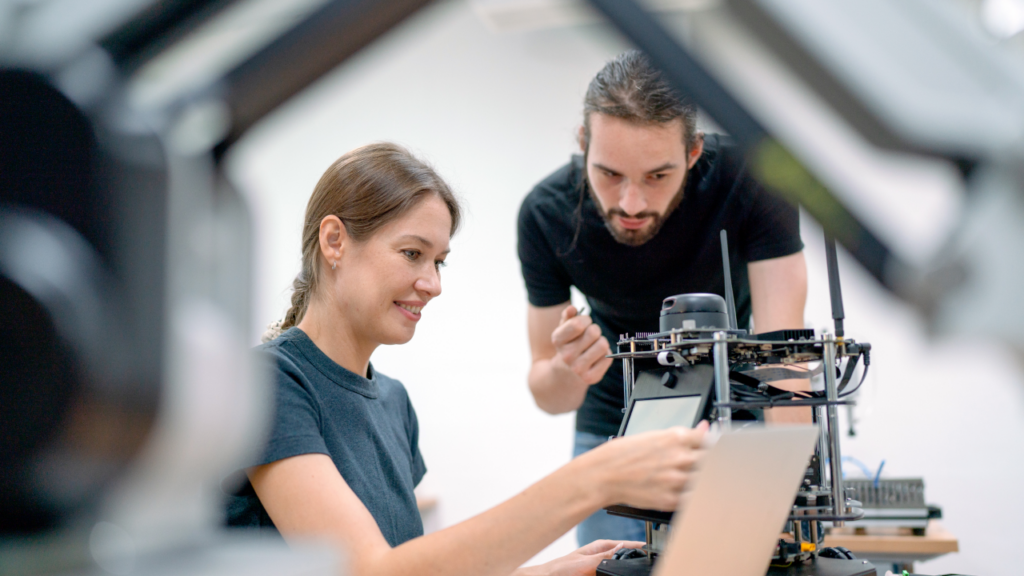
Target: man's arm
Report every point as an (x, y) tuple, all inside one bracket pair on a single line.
[(568, 354), (778, 293)]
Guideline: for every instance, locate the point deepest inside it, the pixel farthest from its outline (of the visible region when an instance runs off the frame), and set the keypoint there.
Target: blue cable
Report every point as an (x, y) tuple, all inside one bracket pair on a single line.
[(859, 464), (879, 473)]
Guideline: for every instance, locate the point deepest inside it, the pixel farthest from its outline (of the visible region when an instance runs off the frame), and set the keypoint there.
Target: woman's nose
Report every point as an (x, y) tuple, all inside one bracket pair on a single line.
[(429, 283)]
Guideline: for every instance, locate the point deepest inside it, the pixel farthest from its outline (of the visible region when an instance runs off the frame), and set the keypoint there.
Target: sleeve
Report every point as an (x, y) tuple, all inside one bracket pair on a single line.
[(772, 227), (419, 467), (295, 428), (547, 282)]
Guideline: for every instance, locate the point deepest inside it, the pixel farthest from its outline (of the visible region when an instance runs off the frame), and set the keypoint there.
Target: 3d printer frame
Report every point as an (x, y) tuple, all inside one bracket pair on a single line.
[(742, 366)]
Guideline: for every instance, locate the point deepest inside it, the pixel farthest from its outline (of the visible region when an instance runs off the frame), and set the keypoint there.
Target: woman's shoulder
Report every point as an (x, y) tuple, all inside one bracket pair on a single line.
[(282, 355), (387, 382), (275, 347), (286, 342), (390, 387)]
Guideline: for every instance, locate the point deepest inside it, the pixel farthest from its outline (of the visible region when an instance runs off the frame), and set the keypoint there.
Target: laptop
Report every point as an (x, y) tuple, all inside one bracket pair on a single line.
[(730, 519)]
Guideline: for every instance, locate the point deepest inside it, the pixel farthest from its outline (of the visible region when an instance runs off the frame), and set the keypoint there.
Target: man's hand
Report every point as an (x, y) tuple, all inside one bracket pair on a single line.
[(580, 347), (568, 356), (582, 562)]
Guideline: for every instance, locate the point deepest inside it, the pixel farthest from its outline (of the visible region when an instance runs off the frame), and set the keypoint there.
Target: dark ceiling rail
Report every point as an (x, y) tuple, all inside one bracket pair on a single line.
[(156, 27), (303, 54)]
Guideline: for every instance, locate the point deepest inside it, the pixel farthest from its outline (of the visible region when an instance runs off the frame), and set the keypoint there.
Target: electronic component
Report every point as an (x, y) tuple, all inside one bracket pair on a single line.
[(892, 502)]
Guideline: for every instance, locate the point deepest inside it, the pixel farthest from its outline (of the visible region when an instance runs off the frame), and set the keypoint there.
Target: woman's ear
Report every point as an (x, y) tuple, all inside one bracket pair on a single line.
[(333, 239), (581, 138)]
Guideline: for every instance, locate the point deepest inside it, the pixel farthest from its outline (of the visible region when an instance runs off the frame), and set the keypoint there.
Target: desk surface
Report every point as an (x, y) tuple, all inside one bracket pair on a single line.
[(895, 542)]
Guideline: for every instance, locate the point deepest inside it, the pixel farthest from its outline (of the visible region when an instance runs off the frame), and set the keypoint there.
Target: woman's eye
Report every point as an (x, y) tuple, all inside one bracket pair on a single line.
[(411, 254), (440, 264), (658, 176)]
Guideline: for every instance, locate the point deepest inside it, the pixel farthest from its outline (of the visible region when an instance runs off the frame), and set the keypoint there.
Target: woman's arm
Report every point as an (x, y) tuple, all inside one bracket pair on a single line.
[(306, 496)]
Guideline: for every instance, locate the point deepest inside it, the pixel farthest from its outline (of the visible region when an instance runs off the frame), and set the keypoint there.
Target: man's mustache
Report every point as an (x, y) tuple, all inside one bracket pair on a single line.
[(639, 215)]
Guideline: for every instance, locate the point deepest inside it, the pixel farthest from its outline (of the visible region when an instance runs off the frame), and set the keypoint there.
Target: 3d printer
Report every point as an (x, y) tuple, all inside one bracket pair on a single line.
[(702, 366)]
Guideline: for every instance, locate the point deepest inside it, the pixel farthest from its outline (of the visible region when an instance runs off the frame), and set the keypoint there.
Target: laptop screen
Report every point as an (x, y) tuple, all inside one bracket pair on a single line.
[(660, 413)]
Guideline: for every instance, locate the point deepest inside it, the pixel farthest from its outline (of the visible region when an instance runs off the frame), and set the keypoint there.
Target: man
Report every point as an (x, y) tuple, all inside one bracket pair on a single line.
[(635, 220)]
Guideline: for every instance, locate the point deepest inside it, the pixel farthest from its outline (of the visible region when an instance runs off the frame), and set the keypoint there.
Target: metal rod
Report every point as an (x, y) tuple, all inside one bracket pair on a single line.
[(627, 376), (722, 388), (835, 291), (730, 298), (835, 455), (786, 404), (819, 418), (854, 514), (627, 381)]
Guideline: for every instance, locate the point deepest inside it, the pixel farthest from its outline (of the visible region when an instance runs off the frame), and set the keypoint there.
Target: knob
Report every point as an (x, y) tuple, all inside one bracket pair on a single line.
[(669, 380)]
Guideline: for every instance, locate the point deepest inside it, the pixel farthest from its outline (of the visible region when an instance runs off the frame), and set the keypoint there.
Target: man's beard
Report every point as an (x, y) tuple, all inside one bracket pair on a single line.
[(642, 236)]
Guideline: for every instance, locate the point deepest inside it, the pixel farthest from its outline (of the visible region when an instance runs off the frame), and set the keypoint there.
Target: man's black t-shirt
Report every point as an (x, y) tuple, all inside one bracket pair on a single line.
[(563, 242), (366, 425)]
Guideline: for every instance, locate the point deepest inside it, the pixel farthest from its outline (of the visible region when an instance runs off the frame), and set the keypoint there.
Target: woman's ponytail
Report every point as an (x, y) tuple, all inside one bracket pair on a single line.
[(300, 301)]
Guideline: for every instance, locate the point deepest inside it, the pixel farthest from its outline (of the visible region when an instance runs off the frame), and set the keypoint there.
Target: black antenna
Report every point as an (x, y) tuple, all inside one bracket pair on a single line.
[(834, 290), (730, 300)]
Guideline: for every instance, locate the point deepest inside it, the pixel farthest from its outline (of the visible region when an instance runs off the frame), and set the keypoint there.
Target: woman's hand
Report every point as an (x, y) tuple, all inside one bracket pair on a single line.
[(582, 562), (648, 470)]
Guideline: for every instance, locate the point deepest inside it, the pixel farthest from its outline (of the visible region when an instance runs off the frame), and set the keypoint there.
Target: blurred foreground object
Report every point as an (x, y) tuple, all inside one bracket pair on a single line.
[(127, 394), (826, 97)]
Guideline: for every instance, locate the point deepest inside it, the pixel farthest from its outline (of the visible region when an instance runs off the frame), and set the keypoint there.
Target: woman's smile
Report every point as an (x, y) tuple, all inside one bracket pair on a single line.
[(410, 308)]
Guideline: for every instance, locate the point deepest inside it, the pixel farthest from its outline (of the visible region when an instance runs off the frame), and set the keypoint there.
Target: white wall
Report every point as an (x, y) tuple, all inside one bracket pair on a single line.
[(495, 114)]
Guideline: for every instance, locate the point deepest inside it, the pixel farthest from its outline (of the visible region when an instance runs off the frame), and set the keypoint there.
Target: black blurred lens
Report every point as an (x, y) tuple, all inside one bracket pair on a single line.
[(39, 380)]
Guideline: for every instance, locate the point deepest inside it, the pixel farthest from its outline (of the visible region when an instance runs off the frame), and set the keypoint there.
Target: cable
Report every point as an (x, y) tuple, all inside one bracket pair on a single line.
[(857, 387), (851, 365), (863, 467), (879, 473)]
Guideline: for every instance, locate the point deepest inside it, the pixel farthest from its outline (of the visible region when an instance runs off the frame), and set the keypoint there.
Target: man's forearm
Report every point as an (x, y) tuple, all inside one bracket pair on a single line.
[(800, 415), (556, 391)]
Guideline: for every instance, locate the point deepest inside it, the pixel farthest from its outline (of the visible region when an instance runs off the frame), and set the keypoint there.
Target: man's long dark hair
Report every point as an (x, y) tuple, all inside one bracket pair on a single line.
[(631, 88)]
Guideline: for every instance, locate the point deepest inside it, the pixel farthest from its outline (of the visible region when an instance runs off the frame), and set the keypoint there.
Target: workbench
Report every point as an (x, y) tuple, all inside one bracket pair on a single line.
[(897, 547)]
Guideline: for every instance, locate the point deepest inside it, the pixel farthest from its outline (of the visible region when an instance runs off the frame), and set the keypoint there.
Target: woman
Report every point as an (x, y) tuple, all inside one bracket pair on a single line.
[(342, 459)]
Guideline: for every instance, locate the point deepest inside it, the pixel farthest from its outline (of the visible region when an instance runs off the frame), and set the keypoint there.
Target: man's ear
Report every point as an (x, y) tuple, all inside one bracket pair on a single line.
[(333, 239), (696, 149), (581, 138)]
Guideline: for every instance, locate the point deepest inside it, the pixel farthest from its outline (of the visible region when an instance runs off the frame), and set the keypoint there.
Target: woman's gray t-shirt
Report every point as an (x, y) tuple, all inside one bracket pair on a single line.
[(366, 425)]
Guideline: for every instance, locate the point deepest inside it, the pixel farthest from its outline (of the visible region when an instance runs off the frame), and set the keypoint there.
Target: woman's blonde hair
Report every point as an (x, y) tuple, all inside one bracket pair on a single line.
[(366, 189)]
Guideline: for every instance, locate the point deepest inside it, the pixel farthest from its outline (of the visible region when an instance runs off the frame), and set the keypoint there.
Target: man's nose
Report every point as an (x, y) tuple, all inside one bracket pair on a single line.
[(633, 201)]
